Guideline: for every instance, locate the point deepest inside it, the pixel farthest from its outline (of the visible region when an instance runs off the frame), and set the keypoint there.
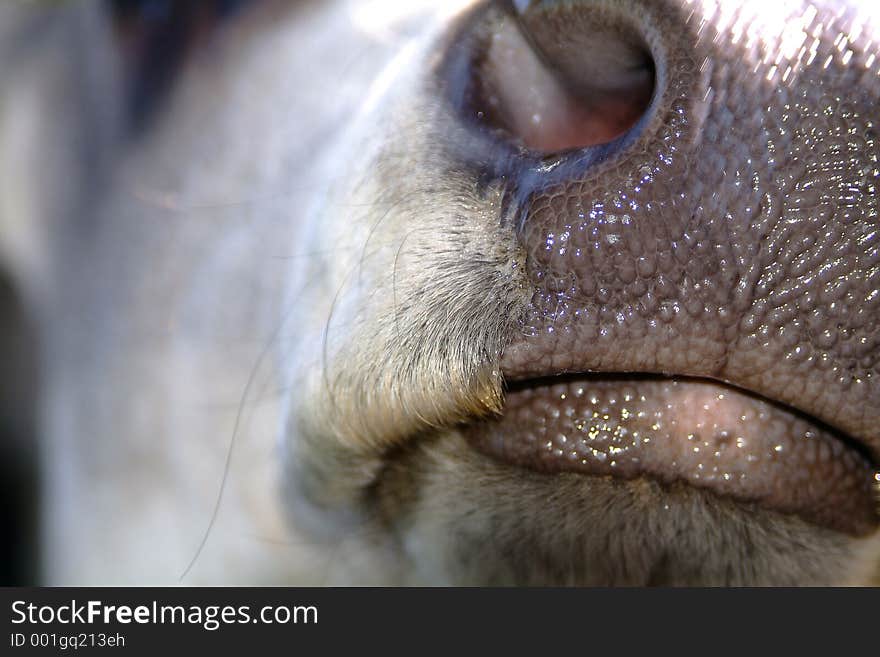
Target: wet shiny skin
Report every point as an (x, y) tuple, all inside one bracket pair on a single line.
[(736, 238), (714, 438), (731, 234)]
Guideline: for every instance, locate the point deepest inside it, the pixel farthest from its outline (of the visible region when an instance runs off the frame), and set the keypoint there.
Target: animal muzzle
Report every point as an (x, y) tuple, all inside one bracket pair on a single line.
[(696, 198)]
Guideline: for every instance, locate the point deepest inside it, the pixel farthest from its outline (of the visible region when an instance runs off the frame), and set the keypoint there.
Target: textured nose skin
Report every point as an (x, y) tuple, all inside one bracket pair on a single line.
[(733, 234)]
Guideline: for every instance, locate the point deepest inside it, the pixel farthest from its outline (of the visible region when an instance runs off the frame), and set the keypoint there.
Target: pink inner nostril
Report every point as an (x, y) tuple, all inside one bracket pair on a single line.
[(584, 88)]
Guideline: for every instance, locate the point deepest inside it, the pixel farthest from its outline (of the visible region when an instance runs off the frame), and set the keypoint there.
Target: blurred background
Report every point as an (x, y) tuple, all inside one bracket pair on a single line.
[(152, 38)]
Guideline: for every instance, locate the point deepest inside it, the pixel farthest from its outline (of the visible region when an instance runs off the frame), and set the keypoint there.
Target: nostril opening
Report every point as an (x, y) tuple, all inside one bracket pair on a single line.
[(561, 76)]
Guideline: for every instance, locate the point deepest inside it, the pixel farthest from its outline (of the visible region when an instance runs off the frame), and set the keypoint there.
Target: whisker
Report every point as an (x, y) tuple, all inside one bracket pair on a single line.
[(252, 376)]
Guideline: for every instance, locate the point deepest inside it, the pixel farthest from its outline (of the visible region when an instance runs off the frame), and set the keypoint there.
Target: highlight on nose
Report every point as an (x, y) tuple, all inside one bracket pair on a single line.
[(645, 257), (555, 77)]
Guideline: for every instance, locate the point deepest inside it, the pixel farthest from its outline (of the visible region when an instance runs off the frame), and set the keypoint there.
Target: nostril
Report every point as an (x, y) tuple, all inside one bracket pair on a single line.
[(560, 76)]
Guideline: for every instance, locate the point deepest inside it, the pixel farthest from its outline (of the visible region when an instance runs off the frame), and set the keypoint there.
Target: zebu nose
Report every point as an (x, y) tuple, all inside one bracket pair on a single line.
[(729, 231), (636, 212), (685, 210)]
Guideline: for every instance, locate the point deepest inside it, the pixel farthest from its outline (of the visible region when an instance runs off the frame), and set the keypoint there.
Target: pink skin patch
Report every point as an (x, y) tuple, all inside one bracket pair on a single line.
[(706, 434), (548, 113)]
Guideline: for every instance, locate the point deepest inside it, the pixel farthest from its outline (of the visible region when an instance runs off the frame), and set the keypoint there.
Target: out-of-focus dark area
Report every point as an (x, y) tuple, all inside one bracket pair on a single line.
[(154, 36), (19, 486)]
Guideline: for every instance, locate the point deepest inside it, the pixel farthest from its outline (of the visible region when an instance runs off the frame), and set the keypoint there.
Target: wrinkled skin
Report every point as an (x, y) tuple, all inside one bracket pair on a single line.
[(313, 263)]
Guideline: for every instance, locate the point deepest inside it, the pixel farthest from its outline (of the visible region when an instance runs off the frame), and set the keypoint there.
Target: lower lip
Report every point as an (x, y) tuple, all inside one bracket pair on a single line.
[(706, 434)]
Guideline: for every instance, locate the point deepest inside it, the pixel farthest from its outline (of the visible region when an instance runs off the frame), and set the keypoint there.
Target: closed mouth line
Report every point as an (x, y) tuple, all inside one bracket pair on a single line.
[(709, 434), (851, 442)]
